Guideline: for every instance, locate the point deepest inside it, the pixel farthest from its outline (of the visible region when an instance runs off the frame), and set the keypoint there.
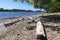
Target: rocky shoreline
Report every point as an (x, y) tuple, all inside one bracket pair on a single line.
[(22, 28)]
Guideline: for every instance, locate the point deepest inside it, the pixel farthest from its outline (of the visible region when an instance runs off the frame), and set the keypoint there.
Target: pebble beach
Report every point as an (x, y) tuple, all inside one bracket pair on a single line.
[(23, 28)]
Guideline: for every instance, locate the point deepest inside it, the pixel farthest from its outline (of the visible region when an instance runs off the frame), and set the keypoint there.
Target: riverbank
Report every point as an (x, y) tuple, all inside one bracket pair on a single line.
[(23, 28)]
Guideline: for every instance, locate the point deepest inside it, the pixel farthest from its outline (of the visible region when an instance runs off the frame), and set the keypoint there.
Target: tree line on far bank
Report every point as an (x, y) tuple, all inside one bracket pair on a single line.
[(16, 10)]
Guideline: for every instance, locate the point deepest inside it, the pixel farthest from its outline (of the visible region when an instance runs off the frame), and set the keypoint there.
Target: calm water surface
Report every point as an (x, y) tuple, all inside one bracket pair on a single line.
[(4, 15)]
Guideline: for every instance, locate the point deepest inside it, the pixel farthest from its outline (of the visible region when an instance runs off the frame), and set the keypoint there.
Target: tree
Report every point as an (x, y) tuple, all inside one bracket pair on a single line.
[(48, 5), (1, 9)]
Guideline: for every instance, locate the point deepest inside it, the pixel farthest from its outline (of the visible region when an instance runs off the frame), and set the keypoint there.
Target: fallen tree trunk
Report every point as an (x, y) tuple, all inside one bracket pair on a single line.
[(40, 31)]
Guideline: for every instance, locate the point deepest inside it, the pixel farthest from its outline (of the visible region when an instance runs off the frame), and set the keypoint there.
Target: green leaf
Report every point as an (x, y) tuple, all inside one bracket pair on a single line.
[(15, 0)]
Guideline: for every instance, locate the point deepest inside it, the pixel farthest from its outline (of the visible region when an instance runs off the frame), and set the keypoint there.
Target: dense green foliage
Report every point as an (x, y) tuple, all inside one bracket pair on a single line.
[(48, 5)]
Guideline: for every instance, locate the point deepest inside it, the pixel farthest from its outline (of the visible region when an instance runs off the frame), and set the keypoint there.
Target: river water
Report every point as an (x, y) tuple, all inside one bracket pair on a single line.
[(4, 15)]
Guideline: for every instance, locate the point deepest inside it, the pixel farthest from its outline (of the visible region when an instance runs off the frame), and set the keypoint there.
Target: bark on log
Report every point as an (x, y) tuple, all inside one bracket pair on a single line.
[(40, 32)]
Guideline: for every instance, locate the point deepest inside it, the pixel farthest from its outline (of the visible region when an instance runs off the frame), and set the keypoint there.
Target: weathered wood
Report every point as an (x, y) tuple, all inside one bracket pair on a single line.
[(40, 32), (51, 24), (11, 23)]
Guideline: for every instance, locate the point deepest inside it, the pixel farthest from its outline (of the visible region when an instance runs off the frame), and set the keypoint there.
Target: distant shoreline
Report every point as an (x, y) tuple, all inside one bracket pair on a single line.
[(21, 11), (17, 10)]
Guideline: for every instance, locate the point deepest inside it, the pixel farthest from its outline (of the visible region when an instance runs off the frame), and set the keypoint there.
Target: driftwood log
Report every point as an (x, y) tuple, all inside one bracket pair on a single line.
[(40, 31)]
